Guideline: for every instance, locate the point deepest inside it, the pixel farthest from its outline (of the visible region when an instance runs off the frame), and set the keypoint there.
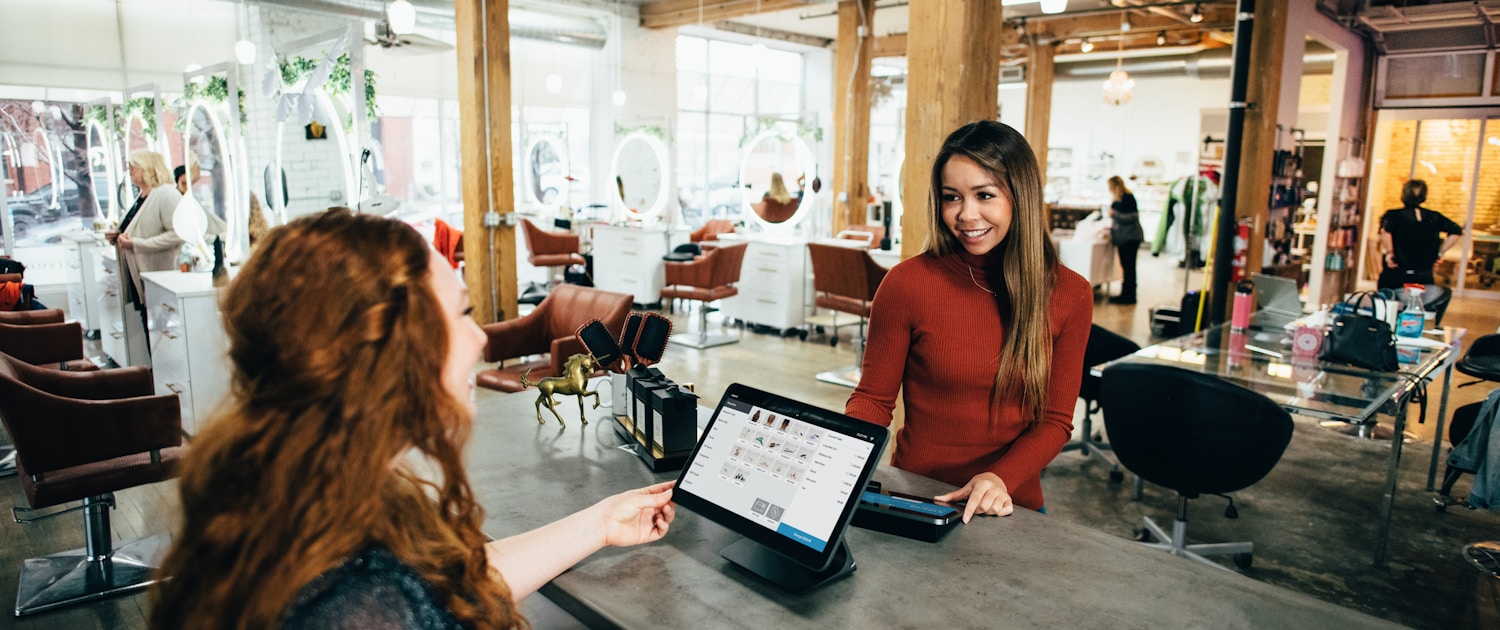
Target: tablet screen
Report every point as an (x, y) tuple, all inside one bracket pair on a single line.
[(783, 473)]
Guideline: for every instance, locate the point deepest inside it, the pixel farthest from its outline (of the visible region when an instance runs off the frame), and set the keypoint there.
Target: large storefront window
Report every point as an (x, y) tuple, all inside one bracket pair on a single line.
[(418, 161)]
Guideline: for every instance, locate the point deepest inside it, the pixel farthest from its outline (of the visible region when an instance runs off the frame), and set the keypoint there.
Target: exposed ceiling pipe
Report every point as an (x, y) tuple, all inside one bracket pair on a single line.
[(435, 17), (1213, 63)]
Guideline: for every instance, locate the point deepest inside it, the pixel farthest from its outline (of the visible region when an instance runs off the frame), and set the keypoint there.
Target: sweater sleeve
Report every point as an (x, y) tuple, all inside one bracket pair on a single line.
[(163, 202), (886, 347), (1073, 309)]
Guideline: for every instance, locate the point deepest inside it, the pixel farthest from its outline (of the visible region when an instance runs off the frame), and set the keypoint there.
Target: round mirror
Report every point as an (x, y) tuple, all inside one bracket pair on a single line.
[(774, 170), (101, 170), (640, 168), (547, 171), (313, 160)]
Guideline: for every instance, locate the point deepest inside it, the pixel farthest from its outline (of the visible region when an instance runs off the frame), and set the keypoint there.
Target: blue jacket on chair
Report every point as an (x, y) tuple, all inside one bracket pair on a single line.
[(1480, 452)]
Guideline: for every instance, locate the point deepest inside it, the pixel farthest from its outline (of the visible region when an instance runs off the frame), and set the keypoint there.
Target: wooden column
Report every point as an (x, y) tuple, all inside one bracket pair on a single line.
[(484, 125), (851, 112), (1040, 70), (953, 78), (1267, 51)]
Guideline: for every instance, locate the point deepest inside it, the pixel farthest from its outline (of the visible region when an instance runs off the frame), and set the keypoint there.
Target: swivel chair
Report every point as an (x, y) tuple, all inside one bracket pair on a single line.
[(42, 338), (845, 280), (83, 436), (548, 250), (1104, 346), (711, 230), (551, 328), (704, 279), (1195, 434)]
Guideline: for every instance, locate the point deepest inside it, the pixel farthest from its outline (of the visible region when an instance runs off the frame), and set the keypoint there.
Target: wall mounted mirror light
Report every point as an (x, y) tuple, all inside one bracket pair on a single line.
[(774, 169), (641, 177), (546, 171)]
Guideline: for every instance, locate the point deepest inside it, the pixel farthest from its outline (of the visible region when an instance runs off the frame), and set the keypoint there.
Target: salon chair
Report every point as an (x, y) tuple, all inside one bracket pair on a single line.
[(711, 230), (1193, 433), (551, 328), (43, 338), (81, 436), (844, 281), (1436, 298), (548, 250), (704, 279), (871, 234), (1104, 346)]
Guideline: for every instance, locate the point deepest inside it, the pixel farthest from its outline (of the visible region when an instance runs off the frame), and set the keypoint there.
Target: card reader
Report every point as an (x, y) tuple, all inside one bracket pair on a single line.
[(905, 515)]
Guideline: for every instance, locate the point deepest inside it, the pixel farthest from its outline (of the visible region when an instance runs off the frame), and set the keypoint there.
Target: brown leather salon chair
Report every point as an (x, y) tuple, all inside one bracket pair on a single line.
[(548, 250), (551, 328), (83, 436), (42, 338), (704, 279), (711, 230), (845, 280)]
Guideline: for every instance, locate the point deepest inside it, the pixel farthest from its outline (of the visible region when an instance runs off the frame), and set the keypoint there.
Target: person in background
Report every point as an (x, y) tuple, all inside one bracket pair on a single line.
[(180, 175), (145, 238), (982, 334), (330, 492), (1126, 235), (778, 204), (1411, 239)]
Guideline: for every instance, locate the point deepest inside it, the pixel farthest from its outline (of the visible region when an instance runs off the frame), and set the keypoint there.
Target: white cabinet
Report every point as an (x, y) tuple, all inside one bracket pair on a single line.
[(86, 294), (189, 351), (628, 260), (773, 283)]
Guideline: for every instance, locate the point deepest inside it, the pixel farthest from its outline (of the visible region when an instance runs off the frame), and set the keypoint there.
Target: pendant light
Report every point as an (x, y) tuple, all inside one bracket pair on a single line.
[(244, 50), (402, 17), (1118, 88), (1051, 7), (619, 95)]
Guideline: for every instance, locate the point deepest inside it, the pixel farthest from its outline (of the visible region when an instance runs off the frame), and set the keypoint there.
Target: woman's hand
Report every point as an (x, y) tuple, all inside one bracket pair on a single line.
[(638, 516), (986, 494), (1390, 260), (125, 241)]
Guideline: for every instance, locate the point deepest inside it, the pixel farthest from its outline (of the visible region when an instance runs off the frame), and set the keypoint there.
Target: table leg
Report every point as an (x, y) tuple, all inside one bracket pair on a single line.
[(1382, 536), (1437, 437)]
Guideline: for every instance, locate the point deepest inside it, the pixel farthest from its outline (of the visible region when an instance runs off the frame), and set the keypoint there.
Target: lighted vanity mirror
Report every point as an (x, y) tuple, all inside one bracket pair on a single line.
[(546, 171), (214, 186), (640, 175), (316, 170), (101, 169), (136, 139), (770, 171)]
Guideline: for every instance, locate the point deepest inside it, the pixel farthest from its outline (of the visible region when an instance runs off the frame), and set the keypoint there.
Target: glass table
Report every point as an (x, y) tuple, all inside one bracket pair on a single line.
[(1261, 359)]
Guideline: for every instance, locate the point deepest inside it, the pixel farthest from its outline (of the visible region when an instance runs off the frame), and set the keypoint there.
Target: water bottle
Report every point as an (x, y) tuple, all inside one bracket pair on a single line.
[(1409, 321), (1240, 317)]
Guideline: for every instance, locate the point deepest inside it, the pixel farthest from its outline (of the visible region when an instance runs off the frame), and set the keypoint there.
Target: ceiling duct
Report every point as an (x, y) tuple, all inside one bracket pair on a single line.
[(436, 17), (1213, 63)]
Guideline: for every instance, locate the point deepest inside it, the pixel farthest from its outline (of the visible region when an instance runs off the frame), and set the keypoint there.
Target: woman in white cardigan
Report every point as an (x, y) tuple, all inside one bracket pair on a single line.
[(145, 237)]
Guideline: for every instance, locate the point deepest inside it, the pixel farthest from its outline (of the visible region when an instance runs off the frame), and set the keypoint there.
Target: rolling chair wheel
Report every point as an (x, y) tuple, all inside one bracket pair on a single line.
[(820, 330), (1116, 476), (1140, 534), (1441, 507), (1243, 560), (1231, 512), (834, 341), (802, 334)]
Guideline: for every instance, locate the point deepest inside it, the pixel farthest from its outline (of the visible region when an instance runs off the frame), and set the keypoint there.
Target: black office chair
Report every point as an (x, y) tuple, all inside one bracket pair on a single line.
[(1104, 346), (1195, 434)]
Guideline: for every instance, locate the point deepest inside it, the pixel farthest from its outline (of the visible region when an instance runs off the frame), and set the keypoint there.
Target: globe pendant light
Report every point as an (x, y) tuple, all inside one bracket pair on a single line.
[(1118, 87), (402, 17)]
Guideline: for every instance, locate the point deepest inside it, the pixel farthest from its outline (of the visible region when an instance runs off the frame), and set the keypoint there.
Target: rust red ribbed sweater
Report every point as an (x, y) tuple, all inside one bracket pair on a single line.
[(935, 334)]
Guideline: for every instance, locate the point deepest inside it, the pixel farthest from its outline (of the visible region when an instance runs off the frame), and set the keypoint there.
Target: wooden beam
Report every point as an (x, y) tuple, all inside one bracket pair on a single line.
[(675, 13), (773, 34), (953, 72), (1267, 54), (1039, 74), (890, 46), (483, 50), (851, 112)]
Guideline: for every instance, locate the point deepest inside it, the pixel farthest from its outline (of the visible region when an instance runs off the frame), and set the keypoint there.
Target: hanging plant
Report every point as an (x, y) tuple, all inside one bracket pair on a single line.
[(145, 108), (100, 114), (780, 126), (650, 130), (215, 90), (340, 80)]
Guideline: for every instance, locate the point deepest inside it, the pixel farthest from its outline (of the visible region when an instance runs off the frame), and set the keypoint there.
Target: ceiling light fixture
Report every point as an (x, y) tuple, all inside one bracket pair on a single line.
[(1086, 46), (1161, 38), (1052, 7), (1197, 15), (554, 83), (1125, 24), (1118, 88), (402, 17), (244, 51)]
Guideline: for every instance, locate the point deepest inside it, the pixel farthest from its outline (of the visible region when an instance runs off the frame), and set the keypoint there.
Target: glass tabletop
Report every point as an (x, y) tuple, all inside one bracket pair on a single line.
[(1261, 359)]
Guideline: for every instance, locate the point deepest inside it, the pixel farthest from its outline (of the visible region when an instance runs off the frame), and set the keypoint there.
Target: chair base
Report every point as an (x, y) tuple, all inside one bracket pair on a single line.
[(847, 376), (701, 341), (1178, 545), (67, 578), (1090, 448), (7, 461)]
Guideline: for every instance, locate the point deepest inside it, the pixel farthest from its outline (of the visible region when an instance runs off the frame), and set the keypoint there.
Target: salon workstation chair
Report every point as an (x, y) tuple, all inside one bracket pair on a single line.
[(711, 231), (844, 281), (550, 250), (1195, 434), (704, 279), (551, 329), (81, 436), (43, 338), (1104, 346)]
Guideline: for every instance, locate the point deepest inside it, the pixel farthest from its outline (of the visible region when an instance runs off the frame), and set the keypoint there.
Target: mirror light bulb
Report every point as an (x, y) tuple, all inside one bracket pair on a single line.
[(244, 51), (402, 16), (619, 98)]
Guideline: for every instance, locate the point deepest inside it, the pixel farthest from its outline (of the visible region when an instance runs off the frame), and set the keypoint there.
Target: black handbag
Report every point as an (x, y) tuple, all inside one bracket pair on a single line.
[(1365, 341)]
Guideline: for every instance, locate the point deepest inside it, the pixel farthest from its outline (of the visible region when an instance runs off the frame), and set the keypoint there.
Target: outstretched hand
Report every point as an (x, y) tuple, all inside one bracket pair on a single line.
[(637, 516), (986, 494)]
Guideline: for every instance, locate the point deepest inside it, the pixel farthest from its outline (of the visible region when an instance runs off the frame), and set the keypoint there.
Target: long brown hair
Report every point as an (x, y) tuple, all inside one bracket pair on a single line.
[(1024, 265), (337, 342)]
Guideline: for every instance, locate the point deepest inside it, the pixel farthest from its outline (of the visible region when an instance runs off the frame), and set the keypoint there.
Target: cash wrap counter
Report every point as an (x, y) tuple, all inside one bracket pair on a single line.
[(1024, 570)]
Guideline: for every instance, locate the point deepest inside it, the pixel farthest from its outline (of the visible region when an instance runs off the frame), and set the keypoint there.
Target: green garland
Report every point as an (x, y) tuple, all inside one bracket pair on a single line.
[(145, 108), (340, 80), (651, 130), (215, 90), (100, 114), (775, 124)]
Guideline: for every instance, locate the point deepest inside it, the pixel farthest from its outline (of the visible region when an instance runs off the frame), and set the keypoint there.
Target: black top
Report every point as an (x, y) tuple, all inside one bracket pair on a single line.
[(1416, 243), (1127, 218), (373, 590)]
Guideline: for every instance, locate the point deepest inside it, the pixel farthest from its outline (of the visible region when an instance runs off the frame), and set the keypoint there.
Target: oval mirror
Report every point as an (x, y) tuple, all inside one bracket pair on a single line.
[(313, 159), (213, 184), (641, 178), (546, 171), (774, 169), (136, 139), (101, 170)]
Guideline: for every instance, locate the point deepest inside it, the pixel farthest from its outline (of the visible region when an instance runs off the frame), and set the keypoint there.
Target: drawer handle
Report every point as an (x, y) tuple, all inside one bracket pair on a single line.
[(168, 307), (769, 269), (765, 301), (169, 333), (176, 389), (117, 335)]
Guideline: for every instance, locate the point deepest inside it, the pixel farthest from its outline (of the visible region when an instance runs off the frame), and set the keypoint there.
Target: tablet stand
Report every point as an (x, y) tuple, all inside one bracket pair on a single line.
[(784, 572)]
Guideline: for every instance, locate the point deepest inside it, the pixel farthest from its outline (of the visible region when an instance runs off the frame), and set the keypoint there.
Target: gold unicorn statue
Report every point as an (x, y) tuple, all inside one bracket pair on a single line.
[(573, 382)]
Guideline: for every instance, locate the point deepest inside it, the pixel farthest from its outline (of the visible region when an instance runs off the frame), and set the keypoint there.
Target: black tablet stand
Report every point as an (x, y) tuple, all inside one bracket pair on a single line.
[(788, 574)]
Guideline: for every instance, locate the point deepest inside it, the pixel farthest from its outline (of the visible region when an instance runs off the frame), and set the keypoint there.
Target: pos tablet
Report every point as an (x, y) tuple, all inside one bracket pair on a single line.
[(785, 475)]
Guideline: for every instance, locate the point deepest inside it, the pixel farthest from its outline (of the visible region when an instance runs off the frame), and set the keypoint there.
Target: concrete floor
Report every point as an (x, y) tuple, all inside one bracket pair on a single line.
[(1312, 519)]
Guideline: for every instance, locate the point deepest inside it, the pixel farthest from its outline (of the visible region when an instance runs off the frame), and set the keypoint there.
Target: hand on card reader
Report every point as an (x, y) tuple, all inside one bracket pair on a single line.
[(905, 515)]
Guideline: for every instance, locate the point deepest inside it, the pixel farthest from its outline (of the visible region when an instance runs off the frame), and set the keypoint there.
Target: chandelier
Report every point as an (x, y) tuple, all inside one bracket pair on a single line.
[(1118, 87)]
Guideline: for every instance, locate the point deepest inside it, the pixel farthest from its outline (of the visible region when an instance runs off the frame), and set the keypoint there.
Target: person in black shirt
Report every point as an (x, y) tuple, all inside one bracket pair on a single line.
[(1126, 235), (1411, 239)]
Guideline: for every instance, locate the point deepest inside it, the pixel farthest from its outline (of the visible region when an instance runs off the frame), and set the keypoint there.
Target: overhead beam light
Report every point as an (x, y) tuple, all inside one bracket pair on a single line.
[(402, 17), (1087, 45), (1161, 38), (1051, 7), (1197, 15)]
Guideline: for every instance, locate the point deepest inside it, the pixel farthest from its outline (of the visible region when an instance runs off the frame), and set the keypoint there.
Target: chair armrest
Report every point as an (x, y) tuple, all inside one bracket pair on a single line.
[(694, 274), (60, 433), (41, 344), (27, 318), (126, 382), (515, 337), (555, 243)]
